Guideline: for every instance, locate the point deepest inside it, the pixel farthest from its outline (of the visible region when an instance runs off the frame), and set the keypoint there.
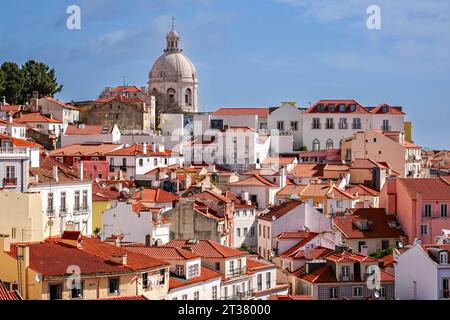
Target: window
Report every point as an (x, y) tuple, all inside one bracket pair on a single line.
[(345, 273), (339, 204), (184, 297), (238, 232), (343, 123), (77, 291), (259, 231), (13, 233), (85, 200), (50, 208), (245, 232), (155, 161), (384, 244), (10, 172), (217, 266), (382, 292), (294, 125), (63, 208), (360, 245), (162, 276), (386, 126), (316, 123), (141, 162), (264, 231), (329, 144), (427, 210), (193, 270), (280, 125), (316, 145), (333, 293), (145, 280), (252, 231), (357, 291), (214, 293), (356, 123), (443, 257), (259, 281), (196, 295), (124, 162), (60, 159), (114, 286), (188, 96), (268, 280), (424, 229), (179, 269), (77, 201), (444, 213), (330, 123), (95, 159), (55, 291)]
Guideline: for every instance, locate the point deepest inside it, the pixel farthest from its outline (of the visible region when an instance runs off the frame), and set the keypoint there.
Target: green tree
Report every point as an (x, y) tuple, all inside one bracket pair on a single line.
[(39, 77), (2, 82), (13, 83)]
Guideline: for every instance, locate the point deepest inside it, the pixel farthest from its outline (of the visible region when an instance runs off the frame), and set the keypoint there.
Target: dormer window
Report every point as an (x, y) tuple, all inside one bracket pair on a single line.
[(443, 257), (193, 270), (179, 269)]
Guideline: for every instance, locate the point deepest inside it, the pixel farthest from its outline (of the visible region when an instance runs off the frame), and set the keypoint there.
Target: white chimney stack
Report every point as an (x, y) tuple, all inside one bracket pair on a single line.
[(55, 173), (80, 171), (144, 148)]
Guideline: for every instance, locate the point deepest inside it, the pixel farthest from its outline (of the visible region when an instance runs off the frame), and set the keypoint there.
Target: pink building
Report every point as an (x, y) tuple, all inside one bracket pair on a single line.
[(422, 206)]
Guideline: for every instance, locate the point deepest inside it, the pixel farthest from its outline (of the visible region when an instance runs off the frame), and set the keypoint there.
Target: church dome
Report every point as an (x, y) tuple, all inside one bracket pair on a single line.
[(173, 66)]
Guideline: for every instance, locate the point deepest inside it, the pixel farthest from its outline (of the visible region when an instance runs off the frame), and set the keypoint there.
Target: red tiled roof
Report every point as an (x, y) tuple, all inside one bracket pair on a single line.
[(20, 142), (207, 248), (205, 274), (9, 107), (293, 235), (280, 210), (52, 257), (325, 103), (390, 110), (36, 118), (379, 227), (312, 254), (155, 195), (366, 164), (257, 265), (308, 170), (59, 103), (206, 192), (361, 190), (136, 150), (162, 253), (126, 89), (431, 188), (88, 149), (279, 160), (260, 112), (254, 180), (349, 257), (308, 237), (87, 130)]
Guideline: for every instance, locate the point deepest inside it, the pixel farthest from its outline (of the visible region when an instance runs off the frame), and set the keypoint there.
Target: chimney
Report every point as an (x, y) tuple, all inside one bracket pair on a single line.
[(144, 148), (120, 258), (10, 118), (5, 242), (141, 193), (55, 173), (3, 100), (161, 148), (23, 251), (80, 171)]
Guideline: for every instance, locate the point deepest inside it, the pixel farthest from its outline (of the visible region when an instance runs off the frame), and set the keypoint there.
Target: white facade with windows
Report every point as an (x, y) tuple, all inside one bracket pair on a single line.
[(287, 119), (244, 227)]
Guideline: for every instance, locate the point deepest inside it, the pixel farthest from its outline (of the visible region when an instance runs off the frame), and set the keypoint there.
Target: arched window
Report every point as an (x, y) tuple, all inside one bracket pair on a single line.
[(188, 96), (171, 95), (316, 145), (329, 144)]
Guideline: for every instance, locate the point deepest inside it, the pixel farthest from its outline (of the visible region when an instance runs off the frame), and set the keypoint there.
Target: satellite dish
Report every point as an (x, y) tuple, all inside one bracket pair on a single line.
[(38, 278), (376, 294), (50, 223)]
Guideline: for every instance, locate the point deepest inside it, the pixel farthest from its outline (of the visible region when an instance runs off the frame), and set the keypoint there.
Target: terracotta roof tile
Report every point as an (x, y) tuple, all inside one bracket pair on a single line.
[(36, 118), (260, 112), (155, 195), (87, 149), (358, 107), (207, 248), (136, 150), (431, 188), (205, 274), (87, 130), (254, 180), (280, 210)]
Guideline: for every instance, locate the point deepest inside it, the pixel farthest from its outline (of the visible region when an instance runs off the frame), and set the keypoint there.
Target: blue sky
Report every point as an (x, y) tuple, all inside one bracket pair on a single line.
[(251, 53)]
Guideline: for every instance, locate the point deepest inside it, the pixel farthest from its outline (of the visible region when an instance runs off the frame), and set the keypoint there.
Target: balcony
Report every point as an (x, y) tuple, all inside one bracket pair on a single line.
[(240, 295), (345, 278), (9, 182), (63, 211), (51, 212), (13, 152), (236, 272), (85, 208), (385, 128), (77, 209)]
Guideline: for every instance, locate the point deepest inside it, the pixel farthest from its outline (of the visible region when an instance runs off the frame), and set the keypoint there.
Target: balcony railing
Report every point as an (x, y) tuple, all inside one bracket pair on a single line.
[(236, 272), (63, 211), (345, 278), (240, 295), (385, 128), (316, 126), (85, 208), (12, 151), (329, 126), (76, 208), (9, 182), (50, 211)]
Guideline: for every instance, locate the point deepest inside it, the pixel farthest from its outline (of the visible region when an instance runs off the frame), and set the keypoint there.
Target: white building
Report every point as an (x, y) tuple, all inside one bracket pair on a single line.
[(244, 224), (80, 134), (55, 108), (136, 223), (13, 128), (139, 159), (65, 196), (327, 122), (423, 273), (287, 120), (290, 216)]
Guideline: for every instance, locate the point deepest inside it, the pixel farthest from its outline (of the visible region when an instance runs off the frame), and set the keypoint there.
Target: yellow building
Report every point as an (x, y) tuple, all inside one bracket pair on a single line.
[(48, 270), (100, 204), (408, 131)]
